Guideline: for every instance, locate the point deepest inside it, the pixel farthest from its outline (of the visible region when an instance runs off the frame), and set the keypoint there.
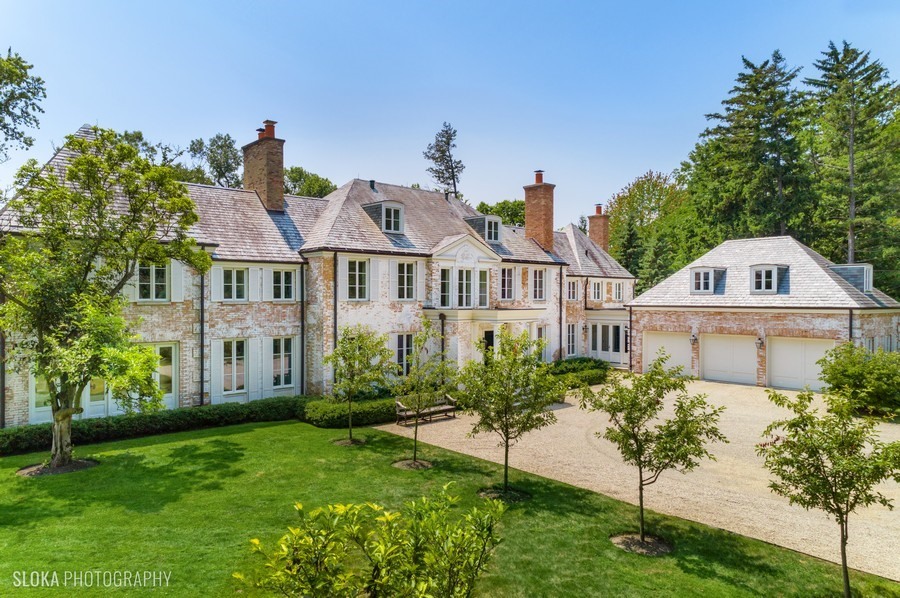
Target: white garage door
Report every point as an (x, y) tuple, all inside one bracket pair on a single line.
[(676, 344), (792, 362), (728, 358)]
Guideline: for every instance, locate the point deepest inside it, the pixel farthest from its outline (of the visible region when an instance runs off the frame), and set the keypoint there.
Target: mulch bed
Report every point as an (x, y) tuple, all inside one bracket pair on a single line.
[(348, 442), (34, 471), (508, 496), (632, 543), (412, 465)]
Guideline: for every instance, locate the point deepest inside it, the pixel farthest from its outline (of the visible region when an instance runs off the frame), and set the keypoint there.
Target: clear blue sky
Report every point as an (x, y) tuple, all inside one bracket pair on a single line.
[(594, 93)]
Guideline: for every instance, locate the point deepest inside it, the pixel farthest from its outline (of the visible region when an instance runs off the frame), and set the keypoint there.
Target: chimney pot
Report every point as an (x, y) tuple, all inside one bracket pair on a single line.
[(270, 128), (260, 133), (599, 207), (538, 177), (372, 185)]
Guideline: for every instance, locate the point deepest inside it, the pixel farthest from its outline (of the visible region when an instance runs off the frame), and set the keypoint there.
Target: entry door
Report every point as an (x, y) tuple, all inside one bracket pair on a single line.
[(95, 399), (595, 341), (611, 343), (165, 375)]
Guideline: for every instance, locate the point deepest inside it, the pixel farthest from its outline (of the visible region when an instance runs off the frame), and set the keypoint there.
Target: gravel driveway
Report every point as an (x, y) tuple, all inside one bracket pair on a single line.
[(730, 493)]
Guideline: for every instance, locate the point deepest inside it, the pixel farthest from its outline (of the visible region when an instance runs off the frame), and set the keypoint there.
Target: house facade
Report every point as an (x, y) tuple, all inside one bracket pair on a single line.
[(290, 272), (761, 311)]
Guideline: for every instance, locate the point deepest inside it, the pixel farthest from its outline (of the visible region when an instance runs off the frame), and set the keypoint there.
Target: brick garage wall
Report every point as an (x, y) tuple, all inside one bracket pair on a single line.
[(822, 325), (875, 325)]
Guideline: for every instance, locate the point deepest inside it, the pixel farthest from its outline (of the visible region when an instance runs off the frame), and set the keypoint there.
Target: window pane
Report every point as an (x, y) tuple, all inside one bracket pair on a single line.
[(41, 393), (239, 365), (228, 284), (604, 338), (165, 370), (228, 366), (144, 291), (288, 285), (240, 284), (616, 338)]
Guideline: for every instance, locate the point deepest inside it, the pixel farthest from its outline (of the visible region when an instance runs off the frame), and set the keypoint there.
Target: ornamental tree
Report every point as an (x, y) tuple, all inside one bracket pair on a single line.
[(654, 445), (362, 362), (71, 239), (510, 391), (831, 462), (430, 377), (21, 93)]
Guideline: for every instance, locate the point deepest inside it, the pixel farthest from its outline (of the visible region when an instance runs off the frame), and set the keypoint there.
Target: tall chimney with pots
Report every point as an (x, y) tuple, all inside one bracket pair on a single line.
[(264, 167), (598, 228), (539, 211)]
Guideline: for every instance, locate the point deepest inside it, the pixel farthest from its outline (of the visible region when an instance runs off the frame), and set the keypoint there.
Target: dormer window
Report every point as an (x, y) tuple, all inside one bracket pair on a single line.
[(764, 279), (702, 280), (492, 230), (392, 218)]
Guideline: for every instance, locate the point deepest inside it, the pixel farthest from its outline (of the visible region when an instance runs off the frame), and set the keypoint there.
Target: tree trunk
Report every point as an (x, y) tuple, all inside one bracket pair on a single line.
[(851, 233), (416, 440), (506, 466), (844, 569), (641, 501), (350, 419), (61, 451)]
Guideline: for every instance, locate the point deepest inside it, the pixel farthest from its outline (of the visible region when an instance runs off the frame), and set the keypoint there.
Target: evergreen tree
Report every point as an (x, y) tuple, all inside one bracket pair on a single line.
[(446, 169), (656, 262)]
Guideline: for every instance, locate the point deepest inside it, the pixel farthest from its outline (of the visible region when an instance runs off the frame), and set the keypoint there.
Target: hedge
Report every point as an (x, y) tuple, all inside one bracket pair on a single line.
[(27, 439), (585, 377), (329, 414), (577, 364)]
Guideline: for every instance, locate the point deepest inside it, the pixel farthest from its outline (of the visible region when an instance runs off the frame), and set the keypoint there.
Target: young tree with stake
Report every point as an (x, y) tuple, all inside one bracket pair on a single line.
[(361, 362), (830, 462), (634, 403), (430, 377), (510, 391)]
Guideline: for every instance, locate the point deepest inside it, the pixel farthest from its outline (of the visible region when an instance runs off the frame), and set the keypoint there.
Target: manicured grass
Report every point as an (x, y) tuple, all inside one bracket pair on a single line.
[(189, 502)]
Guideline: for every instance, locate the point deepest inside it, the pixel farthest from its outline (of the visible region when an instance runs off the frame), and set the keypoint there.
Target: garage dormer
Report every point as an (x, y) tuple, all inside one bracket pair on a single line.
[(859, 275), (765, 278), (704, 279), (388, 215), (488, 227)]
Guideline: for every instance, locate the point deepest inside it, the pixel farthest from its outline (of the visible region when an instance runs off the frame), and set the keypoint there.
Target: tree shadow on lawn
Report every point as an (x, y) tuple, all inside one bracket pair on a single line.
[(126, 479)]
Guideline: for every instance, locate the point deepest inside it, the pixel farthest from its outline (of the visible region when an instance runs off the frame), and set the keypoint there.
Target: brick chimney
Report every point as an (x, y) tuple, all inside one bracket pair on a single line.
[(264, 167), (598, 228), (539, 211)]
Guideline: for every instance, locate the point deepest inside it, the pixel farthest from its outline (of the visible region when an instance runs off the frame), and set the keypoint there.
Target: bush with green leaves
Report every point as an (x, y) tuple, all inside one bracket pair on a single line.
[(328, 414), (365, 550), (577, 364), (869, 380)]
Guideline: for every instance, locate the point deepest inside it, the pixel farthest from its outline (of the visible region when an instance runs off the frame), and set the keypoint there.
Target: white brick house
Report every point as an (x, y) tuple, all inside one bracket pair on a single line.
[(761, 311), (289, 272)]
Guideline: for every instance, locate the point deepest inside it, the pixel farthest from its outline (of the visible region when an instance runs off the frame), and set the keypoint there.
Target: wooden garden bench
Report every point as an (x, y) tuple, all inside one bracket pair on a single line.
[(445, 406)]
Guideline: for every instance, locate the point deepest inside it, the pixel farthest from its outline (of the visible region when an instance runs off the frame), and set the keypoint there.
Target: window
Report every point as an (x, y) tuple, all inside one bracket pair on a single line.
[(445, 287), (594, 337), (405, 281), (404, 351), (482, 288), (464, 288), (234, 283), (506, 284), (282, 362), (542, 336), (573, 290), (604, 337), (702, 281), (492, 229), (153, 283), (393, 222), (282, 284), (233, 362), (97, 390), (570, 339), (598, 291), (42, 393), (618, 290), (357, 280), (538, 286), (764, 280)]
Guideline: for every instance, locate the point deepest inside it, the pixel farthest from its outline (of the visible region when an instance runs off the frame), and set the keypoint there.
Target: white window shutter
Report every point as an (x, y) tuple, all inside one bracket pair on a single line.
[(420, 280), (130, 289), (374, 279), (253, 284), (252, 371), (216, 283), (343, 278), (217, 354), (267, 291), (177, 281), (394, 280), (267, 366)]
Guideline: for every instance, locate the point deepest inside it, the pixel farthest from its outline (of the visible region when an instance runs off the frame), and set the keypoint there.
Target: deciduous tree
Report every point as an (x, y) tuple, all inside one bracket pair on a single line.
[(361, 361), (299, 181), (831, 462), (653, 445), (21, 93), (72, 241), (510, 391), (510, 211), (220, 158)]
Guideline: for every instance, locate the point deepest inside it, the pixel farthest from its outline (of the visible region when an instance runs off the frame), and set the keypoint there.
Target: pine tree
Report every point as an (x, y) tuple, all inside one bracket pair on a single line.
[(446, 169)]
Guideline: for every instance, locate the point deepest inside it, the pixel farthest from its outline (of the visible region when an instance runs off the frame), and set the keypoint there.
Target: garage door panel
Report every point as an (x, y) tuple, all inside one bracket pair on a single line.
[(792, 362), (728, 358), (676, 344)]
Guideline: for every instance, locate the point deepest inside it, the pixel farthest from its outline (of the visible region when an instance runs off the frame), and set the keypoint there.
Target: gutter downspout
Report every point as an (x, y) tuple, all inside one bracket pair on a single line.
[(202, 335), (2, 375), (560, 313), (443, 318), (630, 342), (335, 311), (850, 328), (302, 329)]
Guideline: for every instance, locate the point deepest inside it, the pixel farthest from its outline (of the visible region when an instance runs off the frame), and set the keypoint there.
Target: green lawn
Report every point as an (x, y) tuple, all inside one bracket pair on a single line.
[(188, 503)]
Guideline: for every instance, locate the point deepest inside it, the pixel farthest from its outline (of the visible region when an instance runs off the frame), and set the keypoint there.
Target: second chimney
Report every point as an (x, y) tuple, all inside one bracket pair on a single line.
[(539, 211), (264, 167), (598, 228)]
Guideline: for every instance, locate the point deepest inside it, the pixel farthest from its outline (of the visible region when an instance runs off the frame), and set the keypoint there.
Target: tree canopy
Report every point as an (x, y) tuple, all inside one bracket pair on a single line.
[(299, 181), (220, 158), (21, 93), (510, 211), (445, 169)]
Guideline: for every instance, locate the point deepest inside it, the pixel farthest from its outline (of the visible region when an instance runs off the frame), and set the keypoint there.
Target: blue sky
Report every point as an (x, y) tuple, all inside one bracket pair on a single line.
[(594, 93)]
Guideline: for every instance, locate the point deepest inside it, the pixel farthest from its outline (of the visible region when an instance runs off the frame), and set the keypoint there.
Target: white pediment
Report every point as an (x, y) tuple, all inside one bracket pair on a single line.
[(464, 251)]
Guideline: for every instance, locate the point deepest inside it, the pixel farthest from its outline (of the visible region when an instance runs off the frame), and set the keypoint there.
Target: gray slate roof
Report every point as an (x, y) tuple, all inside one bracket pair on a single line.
[(809, 283), (584, 257)]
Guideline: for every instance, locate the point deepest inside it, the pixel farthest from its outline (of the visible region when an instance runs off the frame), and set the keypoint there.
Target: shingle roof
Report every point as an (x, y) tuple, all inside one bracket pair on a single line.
[(430, 218), (809, 281), (584, 257)]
